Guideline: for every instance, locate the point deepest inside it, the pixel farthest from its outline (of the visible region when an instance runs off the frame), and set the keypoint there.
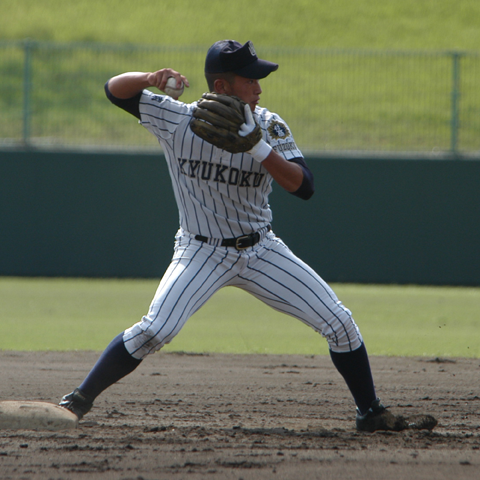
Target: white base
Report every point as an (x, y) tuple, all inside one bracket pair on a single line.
[(19, 414)]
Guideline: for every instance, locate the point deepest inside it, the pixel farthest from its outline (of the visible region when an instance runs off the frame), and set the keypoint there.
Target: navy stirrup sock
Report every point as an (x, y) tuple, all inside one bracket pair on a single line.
[(114, 364), (355, 369)]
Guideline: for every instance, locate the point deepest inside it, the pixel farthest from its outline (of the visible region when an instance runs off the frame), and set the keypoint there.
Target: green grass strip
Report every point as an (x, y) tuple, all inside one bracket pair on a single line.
[(83, 314)]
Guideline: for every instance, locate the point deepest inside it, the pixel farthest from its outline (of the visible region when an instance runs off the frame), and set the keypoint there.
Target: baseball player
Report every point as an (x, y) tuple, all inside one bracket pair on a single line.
[(225, 236)]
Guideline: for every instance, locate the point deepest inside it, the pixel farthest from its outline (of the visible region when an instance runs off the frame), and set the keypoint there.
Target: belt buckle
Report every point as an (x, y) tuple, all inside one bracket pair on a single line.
[(238, 240)]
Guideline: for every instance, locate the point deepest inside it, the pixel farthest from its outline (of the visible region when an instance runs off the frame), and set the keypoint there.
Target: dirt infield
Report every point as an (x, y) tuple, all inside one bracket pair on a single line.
[(184, 416)]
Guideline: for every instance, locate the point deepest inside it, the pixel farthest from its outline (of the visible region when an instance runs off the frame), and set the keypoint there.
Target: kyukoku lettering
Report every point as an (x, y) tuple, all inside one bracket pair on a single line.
[(216, 172)]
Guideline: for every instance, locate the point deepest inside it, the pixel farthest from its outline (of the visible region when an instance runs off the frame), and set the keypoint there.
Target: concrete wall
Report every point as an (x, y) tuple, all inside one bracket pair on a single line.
[(113, 215)]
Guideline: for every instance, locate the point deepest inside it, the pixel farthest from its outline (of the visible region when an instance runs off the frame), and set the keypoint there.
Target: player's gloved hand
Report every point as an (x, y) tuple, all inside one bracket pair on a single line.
[(217, 119), (262, 149)]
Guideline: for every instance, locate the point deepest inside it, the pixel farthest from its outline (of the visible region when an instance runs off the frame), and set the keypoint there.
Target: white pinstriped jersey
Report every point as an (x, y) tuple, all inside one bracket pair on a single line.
[(224, 195), (219, 194)]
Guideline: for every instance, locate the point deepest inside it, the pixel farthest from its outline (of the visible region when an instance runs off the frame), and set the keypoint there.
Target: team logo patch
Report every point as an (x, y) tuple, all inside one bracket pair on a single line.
[(253, 53), (278, 130)]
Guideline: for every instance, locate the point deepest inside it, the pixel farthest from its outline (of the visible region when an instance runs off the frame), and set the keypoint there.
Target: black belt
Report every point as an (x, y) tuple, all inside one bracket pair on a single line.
[(240, 243)]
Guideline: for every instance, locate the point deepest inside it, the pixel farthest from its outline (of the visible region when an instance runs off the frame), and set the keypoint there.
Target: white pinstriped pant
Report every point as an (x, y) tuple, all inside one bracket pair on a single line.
[(268, 270)]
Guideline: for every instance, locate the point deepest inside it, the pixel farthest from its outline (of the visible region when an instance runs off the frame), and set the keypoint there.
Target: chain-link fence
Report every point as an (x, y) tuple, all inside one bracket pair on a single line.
[(333, 100)]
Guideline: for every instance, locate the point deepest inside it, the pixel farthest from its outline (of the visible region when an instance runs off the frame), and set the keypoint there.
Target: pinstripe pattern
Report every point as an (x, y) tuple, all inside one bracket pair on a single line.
[(222, 195), (269, 271), (219, 194)]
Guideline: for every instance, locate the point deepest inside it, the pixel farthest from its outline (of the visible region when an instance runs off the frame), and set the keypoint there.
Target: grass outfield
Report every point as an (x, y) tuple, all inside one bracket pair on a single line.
[(389, 24), (80, 314), (357, 102)]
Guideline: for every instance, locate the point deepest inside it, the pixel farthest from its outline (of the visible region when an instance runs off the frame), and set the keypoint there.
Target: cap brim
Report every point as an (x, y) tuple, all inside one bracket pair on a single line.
[(258, 69)]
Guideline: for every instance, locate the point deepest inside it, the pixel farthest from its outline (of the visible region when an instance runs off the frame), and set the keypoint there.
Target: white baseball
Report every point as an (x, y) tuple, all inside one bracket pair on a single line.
[(171, 90)]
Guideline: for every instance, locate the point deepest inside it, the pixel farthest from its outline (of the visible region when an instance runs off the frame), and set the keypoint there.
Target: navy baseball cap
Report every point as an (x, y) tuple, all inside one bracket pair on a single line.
[(231, 56)]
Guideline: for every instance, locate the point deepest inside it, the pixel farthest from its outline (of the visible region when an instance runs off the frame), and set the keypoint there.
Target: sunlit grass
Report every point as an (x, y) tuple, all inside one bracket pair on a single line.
[(390, 24), (81, 314), (331, 102)]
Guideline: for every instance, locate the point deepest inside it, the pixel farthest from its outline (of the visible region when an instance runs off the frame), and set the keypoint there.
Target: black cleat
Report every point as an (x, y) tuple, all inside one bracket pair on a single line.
[(379, 418), (77, 402)]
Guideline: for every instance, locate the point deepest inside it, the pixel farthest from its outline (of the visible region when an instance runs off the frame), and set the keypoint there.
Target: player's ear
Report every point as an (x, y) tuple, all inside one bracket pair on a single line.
[(220, 85)]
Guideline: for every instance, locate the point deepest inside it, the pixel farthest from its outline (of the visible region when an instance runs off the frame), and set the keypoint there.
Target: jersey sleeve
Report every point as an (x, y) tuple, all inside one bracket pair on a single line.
[(161, 114), (278, 135)]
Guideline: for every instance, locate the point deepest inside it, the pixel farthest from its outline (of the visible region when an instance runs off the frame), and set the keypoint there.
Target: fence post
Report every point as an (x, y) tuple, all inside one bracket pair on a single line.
[(27, 87), (454, 120)]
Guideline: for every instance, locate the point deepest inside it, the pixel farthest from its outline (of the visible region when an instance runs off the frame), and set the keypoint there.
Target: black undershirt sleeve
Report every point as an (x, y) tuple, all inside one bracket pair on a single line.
[(130, 105), (307, 188)]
